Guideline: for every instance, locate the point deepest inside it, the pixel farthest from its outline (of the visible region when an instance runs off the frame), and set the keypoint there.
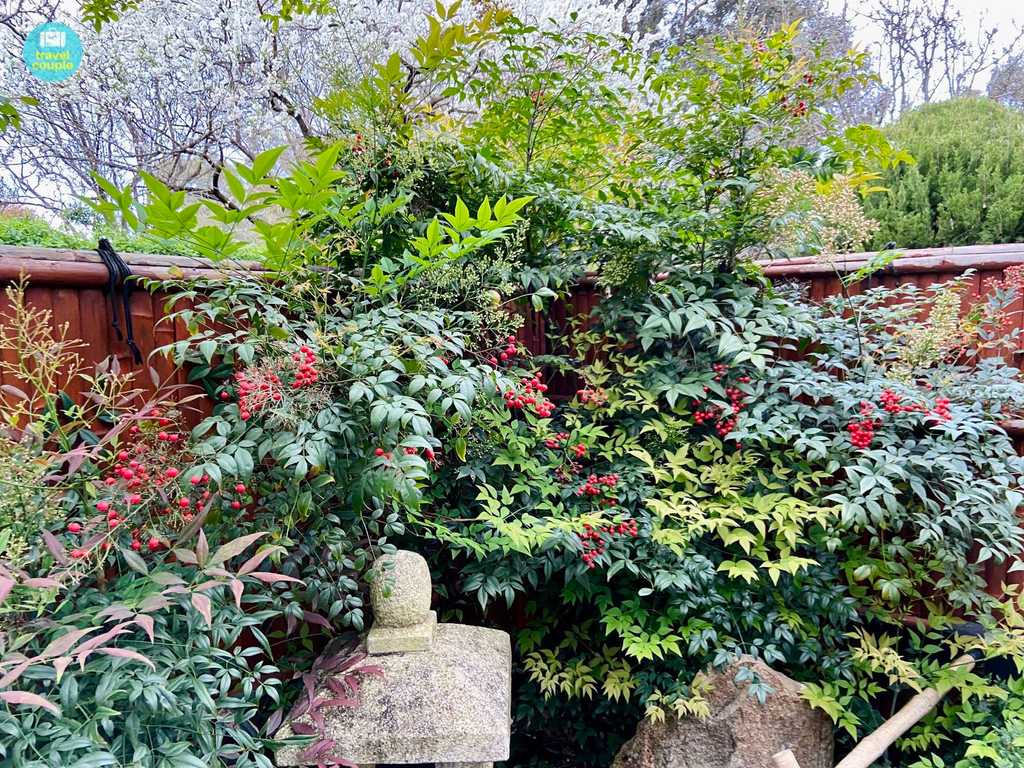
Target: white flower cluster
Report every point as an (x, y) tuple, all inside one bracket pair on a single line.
[(178, 86)]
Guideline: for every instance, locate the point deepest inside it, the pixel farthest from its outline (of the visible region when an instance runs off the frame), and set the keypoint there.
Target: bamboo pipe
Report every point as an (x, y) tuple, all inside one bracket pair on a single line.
[(874, 745)]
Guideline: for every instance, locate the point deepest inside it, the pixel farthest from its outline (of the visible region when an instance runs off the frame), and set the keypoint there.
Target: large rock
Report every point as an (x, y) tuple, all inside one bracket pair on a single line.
[(741, 732)]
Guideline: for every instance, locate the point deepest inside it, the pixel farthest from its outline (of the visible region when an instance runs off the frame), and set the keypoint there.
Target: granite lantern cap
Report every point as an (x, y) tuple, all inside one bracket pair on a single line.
[(444, 695)]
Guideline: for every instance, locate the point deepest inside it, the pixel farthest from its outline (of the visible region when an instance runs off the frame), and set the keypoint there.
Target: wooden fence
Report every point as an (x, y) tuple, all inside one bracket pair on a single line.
[(71, 284)]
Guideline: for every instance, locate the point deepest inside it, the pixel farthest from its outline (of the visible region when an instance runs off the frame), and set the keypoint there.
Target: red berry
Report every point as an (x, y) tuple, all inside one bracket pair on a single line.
[(103, 506), (153, 543), (378, 452), (240, 488), (75, 528)]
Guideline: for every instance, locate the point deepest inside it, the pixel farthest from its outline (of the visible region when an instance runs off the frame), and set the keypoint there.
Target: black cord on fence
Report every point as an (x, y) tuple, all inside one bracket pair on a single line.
[(118, 283)]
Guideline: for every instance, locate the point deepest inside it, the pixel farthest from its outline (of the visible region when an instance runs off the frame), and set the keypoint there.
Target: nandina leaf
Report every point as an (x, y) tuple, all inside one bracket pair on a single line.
[(206, 585), (55, 547), (14, 674), (59, 665), (316, 618), (254, 562), (202, 548), (237, 589), (93, 643), (202, 604), (41, 583), (124, 653), (234, 548), (186, 556), (271, 578), (146, 622), (63, 644), (26, 699), (6, 585), (166, 579), (152, 603), (303, 729)]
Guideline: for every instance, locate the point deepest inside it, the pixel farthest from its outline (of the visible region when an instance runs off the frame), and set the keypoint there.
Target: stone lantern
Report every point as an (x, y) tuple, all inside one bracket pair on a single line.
[(444, 697)]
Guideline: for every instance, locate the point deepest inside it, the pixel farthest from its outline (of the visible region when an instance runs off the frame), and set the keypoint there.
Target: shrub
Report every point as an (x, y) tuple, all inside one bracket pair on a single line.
[(967, 185)]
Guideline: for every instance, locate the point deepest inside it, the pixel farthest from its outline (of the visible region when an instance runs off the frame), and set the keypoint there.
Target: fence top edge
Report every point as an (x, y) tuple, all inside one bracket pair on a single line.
[(83, 257), (911, 259)]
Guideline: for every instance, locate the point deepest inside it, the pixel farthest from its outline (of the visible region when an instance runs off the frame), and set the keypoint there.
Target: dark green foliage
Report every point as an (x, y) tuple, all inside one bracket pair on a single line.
[(967, 186)]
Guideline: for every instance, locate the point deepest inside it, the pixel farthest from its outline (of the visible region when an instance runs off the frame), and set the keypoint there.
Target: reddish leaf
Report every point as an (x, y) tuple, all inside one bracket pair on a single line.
[(254, 562), (146, 622), (186, 556), (124, 653), (41, 583), (271, 578), (234, 547), (209, 585), (273, 723), (152, 603), (237, 588), (14, 674), (26, 699), (202, 548), (59, 665), (13, 391), (63, 644), (316, 618), (303, 729), (55, 547), (165, 579), (6, 585), (93, 643), (202, 604)]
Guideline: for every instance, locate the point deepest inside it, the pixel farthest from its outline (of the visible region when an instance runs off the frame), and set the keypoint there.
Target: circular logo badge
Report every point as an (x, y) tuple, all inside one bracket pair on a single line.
[(52, 52)]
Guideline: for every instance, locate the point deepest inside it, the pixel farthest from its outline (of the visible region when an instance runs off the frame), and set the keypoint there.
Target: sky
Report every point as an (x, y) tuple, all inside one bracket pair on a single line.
[(1004, 14)]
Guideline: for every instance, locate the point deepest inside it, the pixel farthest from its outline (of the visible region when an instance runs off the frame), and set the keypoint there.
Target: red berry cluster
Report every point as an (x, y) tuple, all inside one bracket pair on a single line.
[(721, 420), (134, 479), (594, 541), (595, 485), (255, 390), (257, 387), (305, 371), (531, 396), (508, 353), (862, 431), (557, 441)]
